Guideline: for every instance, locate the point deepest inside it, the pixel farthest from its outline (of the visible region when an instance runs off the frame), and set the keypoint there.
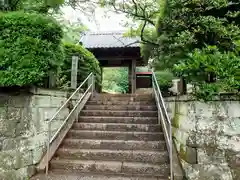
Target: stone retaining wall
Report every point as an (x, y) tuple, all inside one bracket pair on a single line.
[(23, 129), (207, 136)]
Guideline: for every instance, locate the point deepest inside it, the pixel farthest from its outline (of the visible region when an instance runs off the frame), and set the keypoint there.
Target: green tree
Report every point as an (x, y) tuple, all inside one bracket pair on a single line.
[(43, 6), (30, 47), (115, 80)]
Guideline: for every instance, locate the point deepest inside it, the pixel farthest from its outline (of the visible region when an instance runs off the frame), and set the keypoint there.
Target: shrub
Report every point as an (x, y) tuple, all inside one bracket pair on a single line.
[(30, 47), (87, 63), (211, 72), (164, 79)]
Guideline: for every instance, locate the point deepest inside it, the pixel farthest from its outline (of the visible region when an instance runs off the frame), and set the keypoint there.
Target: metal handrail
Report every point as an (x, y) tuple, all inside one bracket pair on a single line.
[(163, 119), (51, 137)]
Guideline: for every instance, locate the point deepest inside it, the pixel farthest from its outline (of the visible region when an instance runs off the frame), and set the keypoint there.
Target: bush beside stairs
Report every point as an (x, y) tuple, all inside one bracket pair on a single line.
[(117, 138)]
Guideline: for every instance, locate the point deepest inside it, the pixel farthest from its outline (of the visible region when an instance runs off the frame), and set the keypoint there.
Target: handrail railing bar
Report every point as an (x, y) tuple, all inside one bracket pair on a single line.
[(161, 98), (50, 140), (166, 132), (53, 117), (66, 119), (158, 104), (163, 122)]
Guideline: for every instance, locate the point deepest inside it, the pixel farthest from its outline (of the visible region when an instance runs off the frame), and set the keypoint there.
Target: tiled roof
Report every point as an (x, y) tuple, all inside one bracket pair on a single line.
[(108, 40)]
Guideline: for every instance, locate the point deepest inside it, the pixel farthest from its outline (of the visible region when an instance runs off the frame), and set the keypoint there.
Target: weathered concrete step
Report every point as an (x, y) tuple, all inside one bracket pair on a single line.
[(60, 175), (122, 107), (152, 157), (121, 98), (110, 167), (118, 127), (118, 113), (115, 144), (122, 102), (116, 135), (125, 120)]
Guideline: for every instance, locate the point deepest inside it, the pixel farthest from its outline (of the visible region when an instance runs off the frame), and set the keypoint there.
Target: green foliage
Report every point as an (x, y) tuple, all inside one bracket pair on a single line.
[(36, 5), (30, 47), (115, 80), (192, 24), (185, 29), (210, 71), (87, 63), (164, 78)]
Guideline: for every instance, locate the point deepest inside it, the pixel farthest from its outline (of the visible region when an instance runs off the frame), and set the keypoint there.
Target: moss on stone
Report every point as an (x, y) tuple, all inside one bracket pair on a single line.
[(174, 130), (175, 121), (176, 116), (182, 152)]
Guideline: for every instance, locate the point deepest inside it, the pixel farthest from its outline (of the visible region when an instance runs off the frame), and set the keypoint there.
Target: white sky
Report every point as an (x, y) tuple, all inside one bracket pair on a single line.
[(110, 23)]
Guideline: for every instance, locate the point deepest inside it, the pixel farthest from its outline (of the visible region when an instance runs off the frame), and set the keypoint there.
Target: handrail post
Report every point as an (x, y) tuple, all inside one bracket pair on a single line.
[(93, 85), (48, 146), (171, 151)]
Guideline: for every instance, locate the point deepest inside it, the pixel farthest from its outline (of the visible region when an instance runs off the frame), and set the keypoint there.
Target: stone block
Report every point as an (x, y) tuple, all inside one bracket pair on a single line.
[(233, 142), (182, 108), (191, 155), (36, 141), (235, 173), (25, 173), (19, 101), (57, 101), (49, 92), (231, 126), (186, 123), (210, 172), (204, 109), (23, 159), (7, 159), (181, 136), (170, 107), (233, 109), (8, 175), (9, 144), (38, 154), (41, 101), (211, 155), (14, 159), (9, 123), (233, 158)]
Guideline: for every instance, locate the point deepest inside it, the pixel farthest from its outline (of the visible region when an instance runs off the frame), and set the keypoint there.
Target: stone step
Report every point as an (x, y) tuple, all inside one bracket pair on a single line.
[(152, 157), (122, 107), (121, 98), (115, 144), (116, 167), (117, 127), (119, 113), (61, 175), (125, 120), (120, 102), (122, 95), (115, 135)]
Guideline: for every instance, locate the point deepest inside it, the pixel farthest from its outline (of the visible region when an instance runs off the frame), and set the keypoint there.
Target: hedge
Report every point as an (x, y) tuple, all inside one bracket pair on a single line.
[(30, 46), (87, 63), (164, 79)]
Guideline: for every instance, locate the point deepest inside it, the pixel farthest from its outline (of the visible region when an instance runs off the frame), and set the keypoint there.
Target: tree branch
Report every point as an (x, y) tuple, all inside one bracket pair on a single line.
[(136, 14), (142, 36)]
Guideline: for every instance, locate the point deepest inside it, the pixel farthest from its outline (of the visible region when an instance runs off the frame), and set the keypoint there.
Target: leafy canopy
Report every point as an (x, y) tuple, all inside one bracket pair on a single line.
[(87, 63), (30, 47)]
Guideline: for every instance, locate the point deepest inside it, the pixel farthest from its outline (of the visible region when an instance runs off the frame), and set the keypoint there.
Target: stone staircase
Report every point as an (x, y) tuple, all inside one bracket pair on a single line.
[(117, 138)]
